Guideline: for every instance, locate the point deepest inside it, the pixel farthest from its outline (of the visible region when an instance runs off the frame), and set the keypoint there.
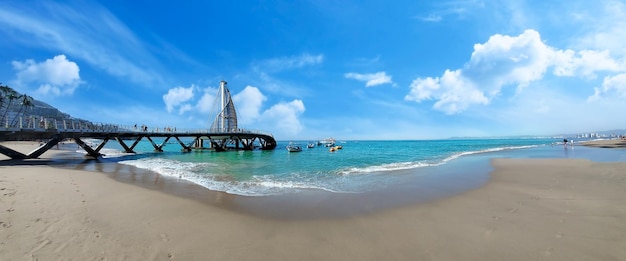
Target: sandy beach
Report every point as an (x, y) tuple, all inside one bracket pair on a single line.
[(614, 143), (531, 209)]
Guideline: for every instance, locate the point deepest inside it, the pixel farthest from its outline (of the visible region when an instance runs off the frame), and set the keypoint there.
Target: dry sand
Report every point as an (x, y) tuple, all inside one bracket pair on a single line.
[(531, 209)]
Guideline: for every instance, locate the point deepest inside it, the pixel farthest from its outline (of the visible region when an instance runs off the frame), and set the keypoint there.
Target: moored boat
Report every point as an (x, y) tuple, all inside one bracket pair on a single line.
[(328, 142), (335, 148), (294, 148)]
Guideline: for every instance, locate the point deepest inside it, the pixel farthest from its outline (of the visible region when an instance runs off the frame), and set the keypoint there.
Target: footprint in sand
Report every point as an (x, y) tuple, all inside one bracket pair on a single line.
[(164, 237), (42, 244)]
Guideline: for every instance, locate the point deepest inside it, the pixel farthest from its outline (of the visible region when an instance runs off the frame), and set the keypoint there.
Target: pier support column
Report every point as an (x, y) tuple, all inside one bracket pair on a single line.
[(248, 144), (36, 153), (158, 148), (199, 143), (12, 153), (91, 153), (126, 148), (186, 148)]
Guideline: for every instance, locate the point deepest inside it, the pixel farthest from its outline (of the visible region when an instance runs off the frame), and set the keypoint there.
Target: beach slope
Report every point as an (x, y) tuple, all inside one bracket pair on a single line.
[(531, 209)]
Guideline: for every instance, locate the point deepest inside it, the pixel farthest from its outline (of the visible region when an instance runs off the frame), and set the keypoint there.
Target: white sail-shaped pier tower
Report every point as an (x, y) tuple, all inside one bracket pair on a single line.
[(224, 110), (224, 132)]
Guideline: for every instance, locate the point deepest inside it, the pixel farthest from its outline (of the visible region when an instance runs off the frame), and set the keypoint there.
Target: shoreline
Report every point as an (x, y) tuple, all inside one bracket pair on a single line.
[(612, 143), (430, 184), (556, 209)]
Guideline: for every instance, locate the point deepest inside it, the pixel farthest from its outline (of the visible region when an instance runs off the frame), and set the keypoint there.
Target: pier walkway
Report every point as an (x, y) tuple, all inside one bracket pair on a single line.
[(52, 132)]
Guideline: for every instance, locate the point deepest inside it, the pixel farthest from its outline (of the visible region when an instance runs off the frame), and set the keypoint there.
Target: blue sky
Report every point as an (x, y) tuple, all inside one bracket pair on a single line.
[(315, 69)]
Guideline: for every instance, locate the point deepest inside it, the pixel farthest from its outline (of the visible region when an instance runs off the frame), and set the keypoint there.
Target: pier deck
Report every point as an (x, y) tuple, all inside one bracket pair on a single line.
[(52, 135)]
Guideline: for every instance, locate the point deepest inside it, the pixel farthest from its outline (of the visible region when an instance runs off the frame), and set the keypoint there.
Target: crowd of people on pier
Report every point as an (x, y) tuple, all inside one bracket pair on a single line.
[(144, 128)]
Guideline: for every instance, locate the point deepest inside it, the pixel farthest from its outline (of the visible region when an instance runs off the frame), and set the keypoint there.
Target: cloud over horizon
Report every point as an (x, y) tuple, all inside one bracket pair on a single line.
[(371, 79), (177, 97), (285, 116), (509, 61), (286, 63), (57, 76)]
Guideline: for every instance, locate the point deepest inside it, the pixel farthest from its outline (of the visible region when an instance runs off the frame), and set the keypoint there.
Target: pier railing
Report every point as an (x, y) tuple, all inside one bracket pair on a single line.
[(34, 123)]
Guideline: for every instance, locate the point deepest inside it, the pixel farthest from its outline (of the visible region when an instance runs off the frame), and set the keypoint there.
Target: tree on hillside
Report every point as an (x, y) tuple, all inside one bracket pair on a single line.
[(26, 103), (8, 96), (3, 91)]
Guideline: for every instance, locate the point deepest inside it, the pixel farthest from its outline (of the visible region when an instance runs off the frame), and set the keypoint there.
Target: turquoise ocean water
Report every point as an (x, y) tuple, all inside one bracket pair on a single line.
[(361, 166)]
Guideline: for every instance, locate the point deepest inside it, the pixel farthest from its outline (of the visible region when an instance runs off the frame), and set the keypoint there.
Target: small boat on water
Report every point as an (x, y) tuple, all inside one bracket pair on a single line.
[(328, 142), (310, 145), (294, 148), (335, 148)]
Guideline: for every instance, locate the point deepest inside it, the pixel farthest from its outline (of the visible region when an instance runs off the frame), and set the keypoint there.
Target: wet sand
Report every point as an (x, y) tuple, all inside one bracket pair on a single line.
[(614, 143), (530, 209)]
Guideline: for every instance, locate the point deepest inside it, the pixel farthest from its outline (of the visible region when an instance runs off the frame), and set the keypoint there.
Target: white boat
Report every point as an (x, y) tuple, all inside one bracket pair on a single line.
[(294, 148), (310, 145), (328, 142)]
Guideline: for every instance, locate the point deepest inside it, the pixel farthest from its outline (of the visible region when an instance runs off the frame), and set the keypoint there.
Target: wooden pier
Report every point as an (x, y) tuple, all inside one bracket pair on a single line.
[(51, 135), (223, 134)]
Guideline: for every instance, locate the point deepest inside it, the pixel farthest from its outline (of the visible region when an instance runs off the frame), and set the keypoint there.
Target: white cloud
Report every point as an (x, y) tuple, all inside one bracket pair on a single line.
[(205, 104), (371, 79), (423, 89), (585, 63), (263, 72), (284, 116), (285, 63), (505, 61), (431, 18), (101, 39), (456, 9), (47, 89), (177, 96), (56, 76), (604, 27), (453, 92), (248, 103), (614, 86), (184, 108)]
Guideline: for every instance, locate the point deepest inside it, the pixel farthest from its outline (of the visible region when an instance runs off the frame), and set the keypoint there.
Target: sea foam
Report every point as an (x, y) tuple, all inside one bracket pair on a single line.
[(420, 164), (199, 173)]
